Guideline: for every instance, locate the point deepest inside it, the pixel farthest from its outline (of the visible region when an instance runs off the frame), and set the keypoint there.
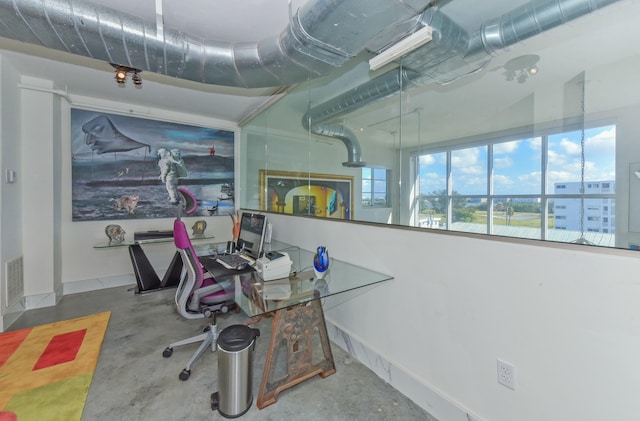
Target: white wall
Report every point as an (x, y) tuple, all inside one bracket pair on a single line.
[(80, 260), (59, 254), (567, 318), (38, 141), (10, 194)]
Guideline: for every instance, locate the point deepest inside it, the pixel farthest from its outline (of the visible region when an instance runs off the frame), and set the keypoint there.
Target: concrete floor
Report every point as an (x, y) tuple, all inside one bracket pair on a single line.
[(134, 382)]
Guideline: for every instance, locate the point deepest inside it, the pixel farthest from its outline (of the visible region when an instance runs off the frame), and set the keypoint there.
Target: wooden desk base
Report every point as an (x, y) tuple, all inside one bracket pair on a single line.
[(295, 329)]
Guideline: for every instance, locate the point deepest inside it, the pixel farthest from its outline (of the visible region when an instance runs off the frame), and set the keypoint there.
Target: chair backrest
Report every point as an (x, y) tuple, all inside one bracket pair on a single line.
[(193, 276)]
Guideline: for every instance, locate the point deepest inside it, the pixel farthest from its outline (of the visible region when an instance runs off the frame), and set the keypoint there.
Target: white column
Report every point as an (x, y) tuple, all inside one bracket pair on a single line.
[(40, 147)]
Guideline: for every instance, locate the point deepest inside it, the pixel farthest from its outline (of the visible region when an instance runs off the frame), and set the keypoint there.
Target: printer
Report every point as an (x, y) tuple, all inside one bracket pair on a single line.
[(273, 265)]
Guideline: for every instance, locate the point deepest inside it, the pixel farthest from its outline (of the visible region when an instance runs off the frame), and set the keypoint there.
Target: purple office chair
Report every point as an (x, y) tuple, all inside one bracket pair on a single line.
[(198, 296)]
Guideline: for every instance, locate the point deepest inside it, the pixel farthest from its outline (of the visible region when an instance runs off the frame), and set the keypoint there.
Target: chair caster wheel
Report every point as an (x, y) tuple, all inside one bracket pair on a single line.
[(215, 401), (184, 374), (167, 352)]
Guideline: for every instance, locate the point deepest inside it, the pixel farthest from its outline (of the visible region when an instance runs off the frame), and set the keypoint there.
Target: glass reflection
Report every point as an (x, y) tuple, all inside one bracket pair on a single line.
[(544, 157)]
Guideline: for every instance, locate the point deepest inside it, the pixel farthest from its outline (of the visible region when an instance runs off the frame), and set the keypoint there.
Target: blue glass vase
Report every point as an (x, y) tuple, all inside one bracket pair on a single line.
[(321, 262)]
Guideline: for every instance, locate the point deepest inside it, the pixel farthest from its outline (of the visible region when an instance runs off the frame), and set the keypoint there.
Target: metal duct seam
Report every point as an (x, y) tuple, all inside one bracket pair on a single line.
[(376, 89), (340, 132), (531, 19), (451, 55), (322, 35)]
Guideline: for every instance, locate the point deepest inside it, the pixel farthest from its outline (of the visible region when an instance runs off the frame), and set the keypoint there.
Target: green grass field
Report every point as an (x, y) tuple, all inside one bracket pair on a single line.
[(518, 219)]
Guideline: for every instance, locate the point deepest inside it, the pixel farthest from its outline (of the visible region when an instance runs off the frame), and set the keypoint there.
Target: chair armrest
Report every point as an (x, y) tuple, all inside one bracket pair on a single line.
[(194, 304)]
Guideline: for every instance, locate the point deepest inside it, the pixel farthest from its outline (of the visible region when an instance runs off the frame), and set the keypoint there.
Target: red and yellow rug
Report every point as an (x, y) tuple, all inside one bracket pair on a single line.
[(46, 371)]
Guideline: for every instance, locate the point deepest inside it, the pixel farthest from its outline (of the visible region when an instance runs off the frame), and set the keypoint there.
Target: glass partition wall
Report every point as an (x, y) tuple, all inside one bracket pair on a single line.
[(533, 135)]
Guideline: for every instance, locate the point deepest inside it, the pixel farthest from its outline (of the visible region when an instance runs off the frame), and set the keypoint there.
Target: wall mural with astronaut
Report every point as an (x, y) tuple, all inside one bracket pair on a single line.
[(127, 167)]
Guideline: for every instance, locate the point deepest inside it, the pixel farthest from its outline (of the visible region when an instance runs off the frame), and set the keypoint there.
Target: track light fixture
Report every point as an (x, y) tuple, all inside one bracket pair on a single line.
[(123, 71), (137, 80)]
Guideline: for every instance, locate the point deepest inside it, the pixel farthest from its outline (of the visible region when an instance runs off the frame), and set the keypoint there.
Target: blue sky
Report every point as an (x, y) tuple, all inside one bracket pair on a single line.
[(517, 164)]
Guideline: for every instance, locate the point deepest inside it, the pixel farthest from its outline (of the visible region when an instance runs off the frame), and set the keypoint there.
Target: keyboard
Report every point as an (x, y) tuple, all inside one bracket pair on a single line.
[(232, 261)]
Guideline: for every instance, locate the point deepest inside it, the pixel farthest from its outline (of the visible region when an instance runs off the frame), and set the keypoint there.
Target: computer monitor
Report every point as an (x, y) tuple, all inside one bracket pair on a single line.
[(251, 236)]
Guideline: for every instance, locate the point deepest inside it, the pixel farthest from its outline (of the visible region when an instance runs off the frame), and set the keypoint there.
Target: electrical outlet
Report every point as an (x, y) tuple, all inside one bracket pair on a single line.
[(506, 374)]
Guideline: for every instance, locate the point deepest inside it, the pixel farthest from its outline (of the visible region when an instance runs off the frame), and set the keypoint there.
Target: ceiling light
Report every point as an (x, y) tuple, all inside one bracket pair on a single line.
[(137, 80), (121, 76), (123, 71), (520, 68), (401, 48)]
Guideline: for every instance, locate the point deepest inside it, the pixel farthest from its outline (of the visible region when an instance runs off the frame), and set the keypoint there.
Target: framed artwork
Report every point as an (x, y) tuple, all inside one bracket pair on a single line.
[(125, 167), (321, 195)]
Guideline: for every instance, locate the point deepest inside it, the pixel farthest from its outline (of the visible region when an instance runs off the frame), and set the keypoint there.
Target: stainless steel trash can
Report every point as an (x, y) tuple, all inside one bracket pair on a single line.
[(234, 397)]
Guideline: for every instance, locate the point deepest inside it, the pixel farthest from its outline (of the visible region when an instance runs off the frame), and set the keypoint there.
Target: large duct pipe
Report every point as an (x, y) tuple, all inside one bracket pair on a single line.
[(321, 36), (451, 54), (532, 19), (340, 132), (376, 89)]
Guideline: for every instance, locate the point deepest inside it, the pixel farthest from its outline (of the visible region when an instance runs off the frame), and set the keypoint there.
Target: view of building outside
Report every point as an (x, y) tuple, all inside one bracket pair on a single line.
[(598, 215), (512, 188)]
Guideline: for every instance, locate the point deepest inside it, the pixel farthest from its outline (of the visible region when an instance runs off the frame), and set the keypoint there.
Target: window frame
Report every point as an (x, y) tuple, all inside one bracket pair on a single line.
[(490, 140), (372, 193)]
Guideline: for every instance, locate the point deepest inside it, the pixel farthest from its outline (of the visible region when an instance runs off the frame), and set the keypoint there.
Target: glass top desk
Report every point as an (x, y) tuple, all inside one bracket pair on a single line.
[(295, 304)]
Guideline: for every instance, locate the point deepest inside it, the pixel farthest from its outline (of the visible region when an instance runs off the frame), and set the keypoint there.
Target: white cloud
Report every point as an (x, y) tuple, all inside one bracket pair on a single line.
[(502, 181), (471, 170), (430, 182), (464, 184), (555, 158), (465, 157), (570, 147), (505, 147), (500, 163), (427, 160), (605, 141), (558, 177), (535, 143)]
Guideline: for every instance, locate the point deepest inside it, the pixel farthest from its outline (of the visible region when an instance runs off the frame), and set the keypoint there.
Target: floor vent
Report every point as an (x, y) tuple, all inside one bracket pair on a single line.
[(14, 276)]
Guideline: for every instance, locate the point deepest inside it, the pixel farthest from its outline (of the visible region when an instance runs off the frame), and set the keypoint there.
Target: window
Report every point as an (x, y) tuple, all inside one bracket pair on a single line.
[(375, 187), (527, 187)]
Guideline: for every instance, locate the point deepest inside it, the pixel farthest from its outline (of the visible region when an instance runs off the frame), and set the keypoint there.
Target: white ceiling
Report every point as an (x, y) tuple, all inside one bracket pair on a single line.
[(225, 20)]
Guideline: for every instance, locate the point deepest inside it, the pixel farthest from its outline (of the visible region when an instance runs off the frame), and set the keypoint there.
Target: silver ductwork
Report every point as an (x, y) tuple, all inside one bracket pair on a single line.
[(382, 87), (451, 55), (322, 35)]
